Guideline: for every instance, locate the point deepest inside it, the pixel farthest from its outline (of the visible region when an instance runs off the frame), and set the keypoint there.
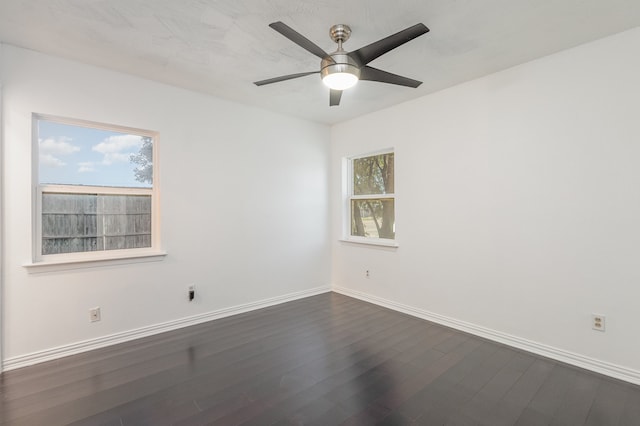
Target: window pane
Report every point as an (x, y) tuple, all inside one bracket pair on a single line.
[(373, 175), (373, 218), (69, 223), (73, 223), (76, 155)]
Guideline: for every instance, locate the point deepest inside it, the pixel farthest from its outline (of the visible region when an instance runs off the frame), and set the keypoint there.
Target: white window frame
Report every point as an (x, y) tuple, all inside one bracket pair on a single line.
[(90, 258), (348, 197)]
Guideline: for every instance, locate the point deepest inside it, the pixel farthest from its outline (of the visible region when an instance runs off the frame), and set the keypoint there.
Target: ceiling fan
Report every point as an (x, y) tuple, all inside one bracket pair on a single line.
[(341, 70)]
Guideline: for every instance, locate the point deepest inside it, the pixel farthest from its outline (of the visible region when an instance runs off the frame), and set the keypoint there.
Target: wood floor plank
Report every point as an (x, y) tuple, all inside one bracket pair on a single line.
[(510, 407), (577, 404), (631, 413), (446, 395), (552, 393), (608, 404), (483, 404)]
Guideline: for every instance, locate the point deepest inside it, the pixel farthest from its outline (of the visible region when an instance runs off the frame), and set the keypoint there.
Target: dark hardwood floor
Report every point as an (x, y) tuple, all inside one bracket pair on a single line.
[(323, 360)]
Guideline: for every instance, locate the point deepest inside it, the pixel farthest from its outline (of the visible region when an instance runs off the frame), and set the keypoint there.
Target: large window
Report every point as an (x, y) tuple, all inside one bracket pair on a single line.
[(372, 197), (95, 195)]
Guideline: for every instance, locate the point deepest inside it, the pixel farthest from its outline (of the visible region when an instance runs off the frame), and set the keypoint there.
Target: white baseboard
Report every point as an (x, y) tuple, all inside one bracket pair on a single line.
[(602, 367), (101, 342)]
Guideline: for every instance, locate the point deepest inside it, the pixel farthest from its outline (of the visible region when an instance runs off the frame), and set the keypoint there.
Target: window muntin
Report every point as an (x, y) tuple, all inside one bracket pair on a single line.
[(95, 189), (372, 197)]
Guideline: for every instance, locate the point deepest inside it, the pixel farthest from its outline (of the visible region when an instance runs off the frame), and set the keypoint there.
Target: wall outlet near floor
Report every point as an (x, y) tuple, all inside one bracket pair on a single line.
[(597, 322), (366, 273), (94, 314), (192, 292)]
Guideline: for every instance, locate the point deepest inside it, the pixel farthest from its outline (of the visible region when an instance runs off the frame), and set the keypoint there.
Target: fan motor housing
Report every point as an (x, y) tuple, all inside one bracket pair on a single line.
[(339, 62)]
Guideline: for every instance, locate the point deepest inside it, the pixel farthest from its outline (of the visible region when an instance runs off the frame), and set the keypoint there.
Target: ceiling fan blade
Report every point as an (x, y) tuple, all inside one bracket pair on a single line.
[(368, 53), (284, 78), (374, 74), (298, 39), (334, 97)]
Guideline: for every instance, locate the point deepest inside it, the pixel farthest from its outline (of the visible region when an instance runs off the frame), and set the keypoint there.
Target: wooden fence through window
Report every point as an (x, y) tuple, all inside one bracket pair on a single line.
[(74, 223)]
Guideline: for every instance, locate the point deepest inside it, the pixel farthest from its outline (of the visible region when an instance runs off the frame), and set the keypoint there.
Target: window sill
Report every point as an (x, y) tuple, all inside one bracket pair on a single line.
[(93, 262), (371, 242)]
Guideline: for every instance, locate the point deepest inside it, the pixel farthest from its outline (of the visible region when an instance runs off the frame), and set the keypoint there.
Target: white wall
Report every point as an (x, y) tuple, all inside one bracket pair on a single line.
[(244, 199), (518, 203)]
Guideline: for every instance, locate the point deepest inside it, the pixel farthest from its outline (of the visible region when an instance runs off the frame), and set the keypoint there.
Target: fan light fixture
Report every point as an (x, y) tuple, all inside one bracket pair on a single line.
[(340, 80), (339, 71)]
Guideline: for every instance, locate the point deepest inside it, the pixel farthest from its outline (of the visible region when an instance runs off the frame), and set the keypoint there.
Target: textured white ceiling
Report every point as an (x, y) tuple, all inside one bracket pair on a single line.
[(220, 47)]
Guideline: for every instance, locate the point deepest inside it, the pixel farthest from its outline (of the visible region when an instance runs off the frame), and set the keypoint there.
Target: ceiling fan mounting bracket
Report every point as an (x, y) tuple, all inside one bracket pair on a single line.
[(340, 33)]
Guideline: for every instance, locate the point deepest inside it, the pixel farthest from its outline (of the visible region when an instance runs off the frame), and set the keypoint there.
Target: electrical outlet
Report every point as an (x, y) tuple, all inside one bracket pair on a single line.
[(94, 314), (598, 322), (366, 273), (192, 292)]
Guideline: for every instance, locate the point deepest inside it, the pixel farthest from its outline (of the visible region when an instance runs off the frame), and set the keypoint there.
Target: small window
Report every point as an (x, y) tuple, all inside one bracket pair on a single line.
[(372, 197), (95, 189)]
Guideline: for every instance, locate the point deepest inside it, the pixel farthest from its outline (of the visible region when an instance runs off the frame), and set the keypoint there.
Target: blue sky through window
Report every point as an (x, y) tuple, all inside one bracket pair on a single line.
[(75, 155)]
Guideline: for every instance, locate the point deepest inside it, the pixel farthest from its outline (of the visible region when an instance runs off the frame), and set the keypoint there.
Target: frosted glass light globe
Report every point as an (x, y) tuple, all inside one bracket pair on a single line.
[(340, 80)]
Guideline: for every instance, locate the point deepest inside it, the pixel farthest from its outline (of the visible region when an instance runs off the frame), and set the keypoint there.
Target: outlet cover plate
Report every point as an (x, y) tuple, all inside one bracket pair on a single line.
[(598, 322), (94, 314)]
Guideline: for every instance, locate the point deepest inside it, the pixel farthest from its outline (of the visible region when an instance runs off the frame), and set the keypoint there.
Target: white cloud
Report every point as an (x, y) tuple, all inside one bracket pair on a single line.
[(62, 146), (115, 157), (51, 161), (51, 149), (86, 167), (118, 148), (120, 143)]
